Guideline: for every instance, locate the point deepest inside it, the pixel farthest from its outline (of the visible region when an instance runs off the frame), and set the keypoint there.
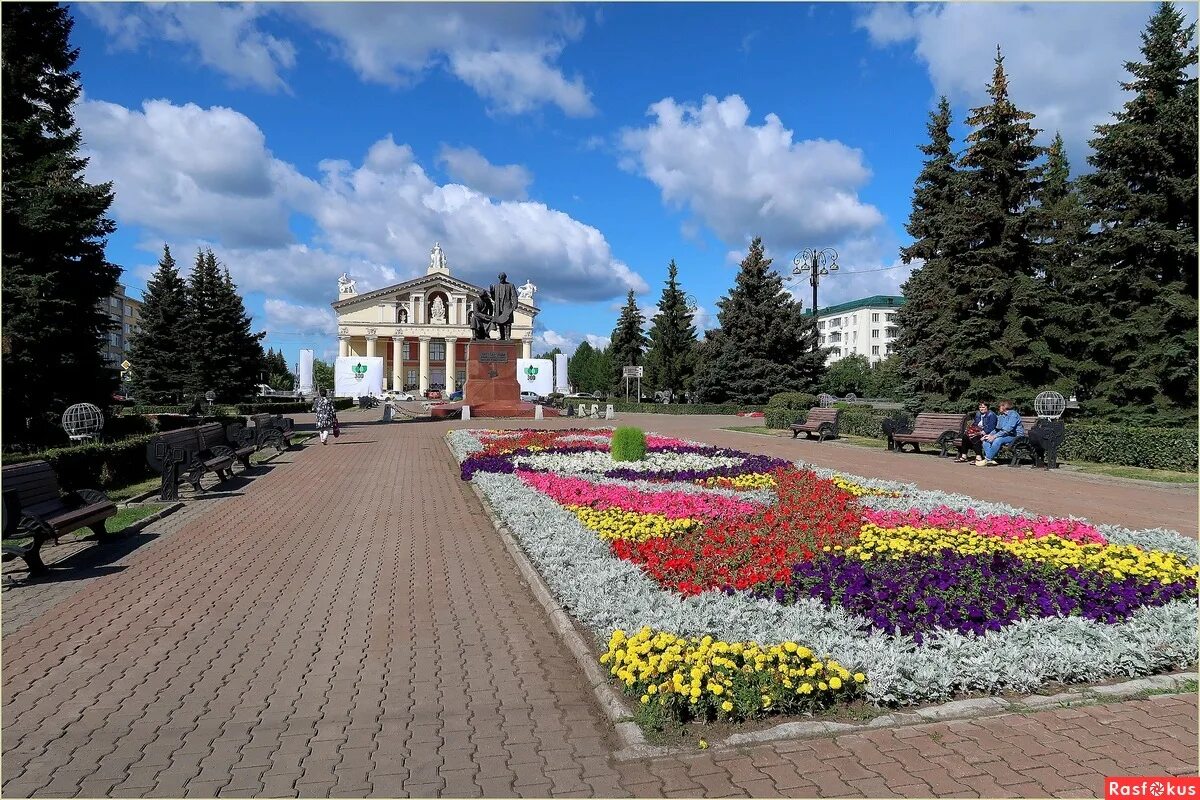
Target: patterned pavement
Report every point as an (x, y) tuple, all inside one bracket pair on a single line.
[(348, 623)]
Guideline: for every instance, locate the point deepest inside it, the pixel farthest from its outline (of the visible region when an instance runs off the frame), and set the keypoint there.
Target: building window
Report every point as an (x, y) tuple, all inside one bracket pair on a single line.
[(875, 317), (821, 325), (891, 333), (437, 351), (874, 349), (460, 378), (890, 318), (114, 302), (410, 382), (128, 310), (875, 333), (835, 323)]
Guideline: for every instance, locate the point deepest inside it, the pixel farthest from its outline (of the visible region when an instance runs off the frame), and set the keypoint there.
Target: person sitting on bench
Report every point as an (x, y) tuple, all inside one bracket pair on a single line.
[(983, 424), (1008, 428)]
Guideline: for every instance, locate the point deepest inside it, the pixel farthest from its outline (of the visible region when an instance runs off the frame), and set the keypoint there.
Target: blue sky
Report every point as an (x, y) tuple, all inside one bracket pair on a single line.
[(580, 146)]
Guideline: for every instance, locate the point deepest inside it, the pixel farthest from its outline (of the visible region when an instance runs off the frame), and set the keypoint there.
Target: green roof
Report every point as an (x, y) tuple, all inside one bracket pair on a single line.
[(874, 301)]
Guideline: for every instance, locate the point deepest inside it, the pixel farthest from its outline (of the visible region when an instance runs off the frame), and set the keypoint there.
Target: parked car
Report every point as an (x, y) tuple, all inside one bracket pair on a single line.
[(530, 397), (582, 396), (400, 396), (434, 394), (456, 395)]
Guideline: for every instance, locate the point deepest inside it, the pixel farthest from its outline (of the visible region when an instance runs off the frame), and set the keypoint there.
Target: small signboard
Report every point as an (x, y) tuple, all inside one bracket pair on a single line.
[(633, 372), (125, 364), (493, 357)]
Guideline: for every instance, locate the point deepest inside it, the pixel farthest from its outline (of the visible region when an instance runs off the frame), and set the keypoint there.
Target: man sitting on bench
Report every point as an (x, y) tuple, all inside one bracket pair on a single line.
[(1008, 428)]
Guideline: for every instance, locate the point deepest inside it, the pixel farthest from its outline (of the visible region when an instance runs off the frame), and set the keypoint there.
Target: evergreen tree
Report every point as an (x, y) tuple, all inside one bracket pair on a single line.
[(550, 354), (1059, 226), (589, 370), (670, 360), (55, 272), (765, 345), (628, 344), (1140, 261), (279, 376), (932, 346), (227, 356), (161, 352), (1002, 181)]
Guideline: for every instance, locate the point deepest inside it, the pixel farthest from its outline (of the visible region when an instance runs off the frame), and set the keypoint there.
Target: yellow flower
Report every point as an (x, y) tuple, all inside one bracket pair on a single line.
[(835, 682), (645, 699), (702, 744), (727, 706), (859, 677)]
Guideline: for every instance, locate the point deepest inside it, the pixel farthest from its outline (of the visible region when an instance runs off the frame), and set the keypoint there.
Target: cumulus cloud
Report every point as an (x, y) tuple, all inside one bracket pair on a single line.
[(283, 317), (223, 37), (1065, 61), (506, 53), (599, 342), (469, 167), (191, 175), (189, 171), (743, 180)]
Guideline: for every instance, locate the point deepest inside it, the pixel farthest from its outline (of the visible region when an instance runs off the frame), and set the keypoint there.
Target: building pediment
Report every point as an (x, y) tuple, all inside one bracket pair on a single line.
[(423, 284)]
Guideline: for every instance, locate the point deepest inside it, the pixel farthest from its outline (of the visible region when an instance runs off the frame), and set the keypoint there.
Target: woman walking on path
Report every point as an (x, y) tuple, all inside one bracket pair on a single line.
[(326, 416)]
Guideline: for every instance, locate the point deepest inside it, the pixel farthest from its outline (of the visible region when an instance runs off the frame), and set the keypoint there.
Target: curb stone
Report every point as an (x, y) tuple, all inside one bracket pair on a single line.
[(634, 741)]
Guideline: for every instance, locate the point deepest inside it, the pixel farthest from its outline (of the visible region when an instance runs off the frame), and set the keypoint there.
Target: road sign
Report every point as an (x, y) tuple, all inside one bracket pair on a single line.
[(125, 364), (633, 372)]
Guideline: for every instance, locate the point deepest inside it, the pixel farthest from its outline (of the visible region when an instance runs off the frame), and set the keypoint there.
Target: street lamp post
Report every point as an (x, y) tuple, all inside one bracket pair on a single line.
[(817, 263)]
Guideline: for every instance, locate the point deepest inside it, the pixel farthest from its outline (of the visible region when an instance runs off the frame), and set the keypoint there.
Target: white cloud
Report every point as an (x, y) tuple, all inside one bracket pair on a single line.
[(506, 53), (467, 165), (189, 175), (1064, 61), (284, 317), (744, 180), (599, 342), (224, 37), (548, 340)]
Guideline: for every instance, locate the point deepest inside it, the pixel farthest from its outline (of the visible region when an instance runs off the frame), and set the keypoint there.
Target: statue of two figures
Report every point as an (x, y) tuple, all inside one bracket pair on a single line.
[(494, 308)]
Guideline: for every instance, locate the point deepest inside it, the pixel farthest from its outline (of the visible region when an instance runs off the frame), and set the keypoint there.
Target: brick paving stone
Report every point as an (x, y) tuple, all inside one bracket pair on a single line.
[(380, 641)]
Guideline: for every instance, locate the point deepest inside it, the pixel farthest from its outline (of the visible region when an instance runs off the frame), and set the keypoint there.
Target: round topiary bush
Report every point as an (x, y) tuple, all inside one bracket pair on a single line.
[(628, 444)]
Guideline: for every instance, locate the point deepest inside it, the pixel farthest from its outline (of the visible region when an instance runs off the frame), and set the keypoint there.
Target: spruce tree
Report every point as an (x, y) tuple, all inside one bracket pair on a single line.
[(55, 229), (161, 352), (579, 367), (766, 344), (1140, 261), (932, 345), (670, 360), (227, 355), (279, 375), (628, 344), (1010, 356)]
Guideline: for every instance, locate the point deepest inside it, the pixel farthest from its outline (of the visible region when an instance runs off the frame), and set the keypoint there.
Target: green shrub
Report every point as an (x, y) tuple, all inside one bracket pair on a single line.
[(801, 400), (1153, 448), (780, 417), (628, 444), (673, 408), (102, 465)]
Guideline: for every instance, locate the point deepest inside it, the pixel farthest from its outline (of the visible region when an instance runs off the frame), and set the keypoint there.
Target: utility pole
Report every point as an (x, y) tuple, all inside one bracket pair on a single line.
[(816, 263)]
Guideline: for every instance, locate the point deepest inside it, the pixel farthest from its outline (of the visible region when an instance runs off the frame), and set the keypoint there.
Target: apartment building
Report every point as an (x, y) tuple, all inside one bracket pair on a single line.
[(865, 327), (125, 312)]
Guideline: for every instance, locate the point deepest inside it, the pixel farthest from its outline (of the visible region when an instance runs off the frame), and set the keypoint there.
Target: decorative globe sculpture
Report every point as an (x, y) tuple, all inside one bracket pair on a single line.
[(82, 421), (826, 400), (1049, 405), (850, 398)]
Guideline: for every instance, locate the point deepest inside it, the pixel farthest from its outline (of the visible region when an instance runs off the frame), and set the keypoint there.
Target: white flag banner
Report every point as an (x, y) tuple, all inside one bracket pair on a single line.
[(561, 384), (306, 372), (356, 376), (536, 375)]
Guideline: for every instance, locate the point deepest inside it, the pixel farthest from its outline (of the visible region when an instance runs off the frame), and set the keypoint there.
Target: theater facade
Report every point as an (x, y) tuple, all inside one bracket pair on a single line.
[(420, 328)]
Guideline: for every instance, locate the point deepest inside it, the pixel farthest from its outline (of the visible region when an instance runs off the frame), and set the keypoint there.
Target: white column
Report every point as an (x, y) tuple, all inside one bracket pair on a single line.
[(451, 362), (423, 366), (528, 347), (371, 346), (397, 352), (343, 345), (419, 308)]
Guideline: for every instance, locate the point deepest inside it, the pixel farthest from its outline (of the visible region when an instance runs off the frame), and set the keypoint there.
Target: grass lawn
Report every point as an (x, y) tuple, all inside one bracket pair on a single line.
[(127, 516)]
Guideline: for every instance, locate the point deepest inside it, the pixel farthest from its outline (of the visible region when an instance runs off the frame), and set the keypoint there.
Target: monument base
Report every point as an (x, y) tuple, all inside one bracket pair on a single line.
[(492, 388)]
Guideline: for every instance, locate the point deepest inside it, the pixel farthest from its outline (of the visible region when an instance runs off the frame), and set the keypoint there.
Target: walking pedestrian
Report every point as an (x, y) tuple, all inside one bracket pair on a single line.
[(327, 420)]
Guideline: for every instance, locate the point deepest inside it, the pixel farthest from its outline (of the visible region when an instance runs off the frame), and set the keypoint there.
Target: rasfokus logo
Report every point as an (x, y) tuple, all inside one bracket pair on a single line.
[(1151, 786)]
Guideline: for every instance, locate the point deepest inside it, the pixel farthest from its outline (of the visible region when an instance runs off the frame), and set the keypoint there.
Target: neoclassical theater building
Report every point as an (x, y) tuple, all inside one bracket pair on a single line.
[(420, 327)]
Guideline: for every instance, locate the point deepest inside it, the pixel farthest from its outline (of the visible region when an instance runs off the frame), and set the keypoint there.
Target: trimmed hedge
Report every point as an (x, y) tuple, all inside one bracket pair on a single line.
[(98, 465), (1126, 445), (675, 408), (800, 400), (301, 407)]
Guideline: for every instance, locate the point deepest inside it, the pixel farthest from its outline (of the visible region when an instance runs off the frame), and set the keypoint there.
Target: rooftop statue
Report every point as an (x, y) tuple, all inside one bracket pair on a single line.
[(525, 293)]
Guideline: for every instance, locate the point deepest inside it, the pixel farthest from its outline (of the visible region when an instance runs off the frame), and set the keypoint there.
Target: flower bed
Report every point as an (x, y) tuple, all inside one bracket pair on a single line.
[(683, 563)]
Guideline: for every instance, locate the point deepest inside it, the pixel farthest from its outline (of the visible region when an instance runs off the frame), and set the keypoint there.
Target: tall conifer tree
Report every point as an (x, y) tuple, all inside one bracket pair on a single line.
[(765, 344), (227, 355), (162, 351), (628, 345), (1140, 261), (671, 358), (55, 229)]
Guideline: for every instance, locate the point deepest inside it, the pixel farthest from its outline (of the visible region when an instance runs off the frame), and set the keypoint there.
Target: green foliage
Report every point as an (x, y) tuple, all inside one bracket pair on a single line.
[(1153, 448), (800, 400), (275, 366), (781, 417), (162, 350), (322, 375), (1141, 201), (590, 370), (628, 444), (765, 344), (97, 465), (621, 406), (672, 355), (54, 273), (227, 355), (849, 375), (628, 344), (550, 354), (301, 407)]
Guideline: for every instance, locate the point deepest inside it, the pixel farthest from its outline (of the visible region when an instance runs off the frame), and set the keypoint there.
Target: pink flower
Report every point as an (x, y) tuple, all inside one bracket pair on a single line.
[(1000, 526), (670, 504)]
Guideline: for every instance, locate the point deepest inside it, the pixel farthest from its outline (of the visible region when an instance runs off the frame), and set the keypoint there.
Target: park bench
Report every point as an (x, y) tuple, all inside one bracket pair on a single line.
[(241, 440), (1052, 435), (944, 430), (275, 431), (35, 507), (178, 456), (820, 421), (212, 438)]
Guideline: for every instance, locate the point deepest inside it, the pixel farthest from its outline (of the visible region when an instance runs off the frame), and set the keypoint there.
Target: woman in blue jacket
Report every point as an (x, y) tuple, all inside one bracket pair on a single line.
[(984, 423), (1008, 428)]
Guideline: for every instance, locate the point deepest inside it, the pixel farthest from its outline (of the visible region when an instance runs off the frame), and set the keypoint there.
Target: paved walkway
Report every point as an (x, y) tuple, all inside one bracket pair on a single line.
[(349, 624)]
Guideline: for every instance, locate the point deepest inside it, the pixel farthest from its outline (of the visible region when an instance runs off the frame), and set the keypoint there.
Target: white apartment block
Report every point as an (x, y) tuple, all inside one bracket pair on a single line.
[(864, 327)]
